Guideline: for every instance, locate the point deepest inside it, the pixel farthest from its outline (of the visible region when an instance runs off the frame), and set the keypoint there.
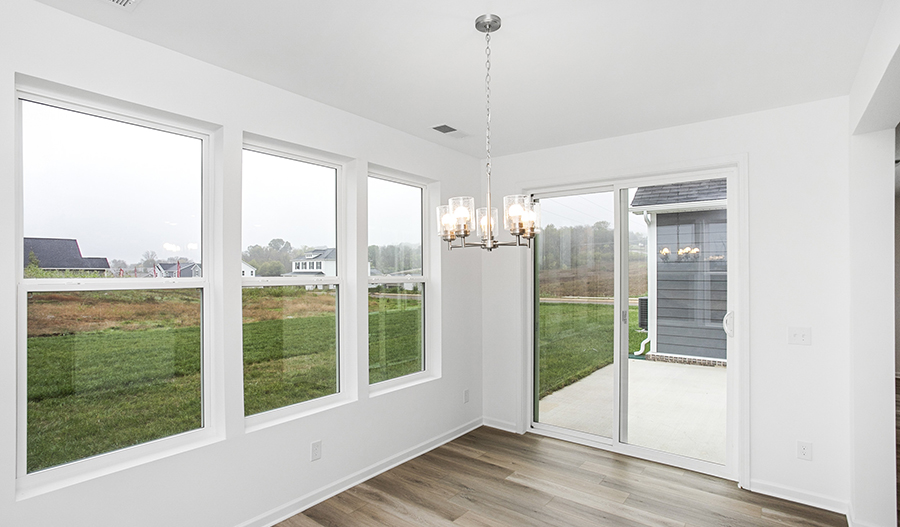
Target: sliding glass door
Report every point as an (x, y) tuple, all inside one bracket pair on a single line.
[(632, 319), (674, 382), (575, 313)]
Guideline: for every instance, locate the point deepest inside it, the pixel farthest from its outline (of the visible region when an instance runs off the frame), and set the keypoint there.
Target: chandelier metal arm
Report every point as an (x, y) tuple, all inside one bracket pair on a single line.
[(489, 245)]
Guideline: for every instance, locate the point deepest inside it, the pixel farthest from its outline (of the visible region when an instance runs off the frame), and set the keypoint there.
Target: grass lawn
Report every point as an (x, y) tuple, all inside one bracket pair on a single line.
[(96, 392), (395, 337), (289, 361), (95, 387), (576, 340)]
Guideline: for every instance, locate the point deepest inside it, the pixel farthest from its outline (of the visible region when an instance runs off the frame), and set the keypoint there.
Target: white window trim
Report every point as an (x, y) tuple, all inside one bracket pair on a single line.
[(430, 280), (346, 382), (211, 429)]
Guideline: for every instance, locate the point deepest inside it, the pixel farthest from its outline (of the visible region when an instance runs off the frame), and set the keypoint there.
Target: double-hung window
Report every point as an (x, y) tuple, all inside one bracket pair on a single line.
[(290, 308), (396, 280), (113, 282)]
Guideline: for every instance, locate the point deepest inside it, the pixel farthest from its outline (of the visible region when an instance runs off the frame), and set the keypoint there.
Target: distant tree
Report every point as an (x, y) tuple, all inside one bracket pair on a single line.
[(272, 268), (117, 264), (279, 245), (149, 258), (277, 250), (393, 258), (33, 267)]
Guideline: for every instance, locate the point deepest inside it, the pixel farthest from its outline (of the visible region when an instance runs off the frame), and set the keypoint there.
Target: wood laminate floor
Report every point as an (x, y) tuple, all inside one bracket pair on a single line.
[(490, 478)]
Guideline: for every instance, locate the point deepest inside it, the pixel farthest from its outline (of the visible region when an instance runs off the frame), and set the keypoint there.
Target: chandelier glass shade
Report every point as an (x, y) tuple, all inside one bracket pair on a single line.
[(459, 219)]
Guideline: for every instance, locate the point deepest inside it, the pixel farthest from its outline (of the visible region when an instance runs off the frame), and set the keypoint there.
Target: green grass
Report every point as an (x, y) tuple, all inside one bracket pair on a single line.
[(395, 343), (96, 392), (288, 361), (575, 340)]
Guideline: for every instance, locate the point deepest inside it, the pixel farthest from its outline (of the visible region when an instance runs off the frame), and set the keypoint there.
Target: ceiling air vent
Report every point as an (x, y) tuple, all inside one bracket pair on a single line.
[(127, 4), (449, 130)]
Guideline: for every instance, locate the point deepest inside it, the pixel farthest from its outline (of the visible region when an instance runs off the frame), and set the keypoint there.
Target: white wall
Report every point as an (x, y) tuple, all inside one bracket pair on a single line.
[(896, 285), (243, 475), (872, 411), (798, 276), (874, 114)]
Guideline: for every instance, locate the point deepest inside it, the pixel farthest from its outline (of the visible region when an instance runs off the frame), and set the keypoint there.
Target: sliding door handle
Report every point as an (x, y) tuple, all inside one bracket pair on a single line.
[(728, 323)]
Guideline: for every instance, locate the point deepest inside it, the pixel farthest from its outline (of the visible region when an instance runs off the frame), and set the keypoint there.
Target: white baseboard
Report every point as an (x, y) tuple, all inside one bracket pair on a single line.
[(302, 503), (799, 496), (506, 426)]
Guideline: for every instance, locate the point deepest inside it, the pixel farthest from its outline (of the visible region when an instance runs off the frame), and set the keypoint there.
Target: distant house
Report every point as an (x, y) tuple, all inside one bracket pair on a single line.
[(317, 262), (407, 286), (62, 254), (178, 270), (687, 267), (247, 270)]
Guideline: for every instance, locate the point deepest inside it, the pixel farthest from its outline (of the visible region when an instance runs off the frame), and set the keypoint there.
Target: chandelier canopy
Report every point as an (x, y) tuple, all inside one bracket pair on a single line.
[(521, 215)]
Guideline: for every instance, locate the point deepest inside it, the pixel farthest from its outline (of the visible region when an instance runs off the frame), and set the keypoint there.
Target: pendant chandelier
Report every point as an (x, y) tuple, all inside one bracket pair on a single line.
[(521, 216)]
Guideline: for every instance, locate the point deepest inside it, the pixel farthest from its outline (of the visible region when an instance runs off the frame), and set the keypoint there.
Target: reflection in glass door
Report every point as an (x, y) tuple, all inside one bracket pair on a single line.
[(575, 313), (674, 382)]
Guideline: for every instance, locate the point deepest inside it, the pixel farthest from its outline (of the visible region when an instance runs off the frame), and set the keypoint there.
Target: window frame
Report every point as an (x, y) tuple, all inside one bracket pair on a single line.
[(69, 99), (429, 281), (345, 378)]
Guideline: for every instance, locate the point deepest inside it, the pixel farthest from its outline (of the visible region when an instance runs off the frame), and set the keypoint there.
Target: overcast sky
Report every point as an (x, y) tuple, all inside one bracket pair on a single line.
[(121, 190), (288, 199), (395, 213), (117, 188), (586, 209)]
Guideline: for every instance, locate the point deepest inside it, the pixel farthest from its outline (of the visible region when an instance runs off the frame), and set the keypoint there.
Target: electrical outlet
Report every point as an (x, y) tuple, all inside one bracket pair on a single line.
[(466, 395), (804, 450), (800, 336), (315, 450)]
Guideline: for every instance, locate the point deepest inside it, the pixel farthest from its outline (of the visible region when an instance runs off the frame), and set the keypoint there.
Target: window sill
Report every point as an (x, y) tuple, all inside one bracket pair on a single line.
[(62, 476), (293, 412), (401, 383)]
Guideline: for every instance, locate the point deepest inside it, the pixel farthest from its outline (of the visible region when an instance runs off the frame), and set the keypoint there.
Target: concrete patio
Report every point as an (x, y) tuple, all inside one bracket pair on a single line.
[(676, 408)]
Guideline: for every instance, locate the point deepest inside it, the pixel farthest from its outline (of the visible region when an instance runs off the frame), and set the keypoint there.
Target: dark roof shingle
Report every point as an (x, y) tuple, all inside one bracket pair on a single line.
[(60, 253), (691, 191)]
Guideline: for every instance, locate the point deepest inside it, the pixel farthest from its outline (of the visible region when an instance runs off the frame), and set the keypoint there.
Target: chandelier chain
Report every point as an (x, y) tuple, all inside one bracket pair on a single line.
[(487, 93)]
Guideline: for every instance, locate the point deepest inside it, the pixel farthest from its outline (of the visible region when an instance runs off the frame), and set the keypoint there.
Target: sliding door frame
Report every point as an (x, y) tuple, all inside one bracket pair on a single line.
[(734, 169)]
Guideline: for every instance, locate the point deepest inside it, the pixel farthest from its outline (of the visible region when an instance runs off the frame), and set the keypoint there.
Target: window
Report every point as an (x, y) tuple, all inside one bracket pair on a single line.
[(396, 280), (111, 283), (290, 316)]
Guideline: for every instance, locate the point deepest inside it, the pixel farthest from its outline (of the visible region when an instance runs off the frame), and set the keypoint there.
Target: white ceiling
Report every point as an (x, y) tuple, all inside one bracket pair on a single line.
[(563, 72)]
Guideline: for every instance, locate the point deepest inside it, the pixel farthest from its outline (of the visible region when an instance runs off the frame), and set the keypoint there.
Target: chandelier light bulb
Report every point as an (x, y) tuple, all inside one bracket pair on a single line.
[(483, 230)]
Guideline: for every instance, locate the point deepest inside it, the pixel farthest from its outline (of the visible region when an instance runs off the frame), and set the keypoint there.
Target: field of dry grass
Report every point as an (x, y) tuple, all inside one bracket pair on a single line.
[(80, 312), (594, 282)]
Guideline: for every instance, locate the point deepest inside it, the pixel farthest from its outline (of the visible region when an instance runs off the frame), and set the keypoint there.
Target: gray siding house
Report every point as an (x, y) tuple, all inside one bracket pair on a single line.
[(689, 267)]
